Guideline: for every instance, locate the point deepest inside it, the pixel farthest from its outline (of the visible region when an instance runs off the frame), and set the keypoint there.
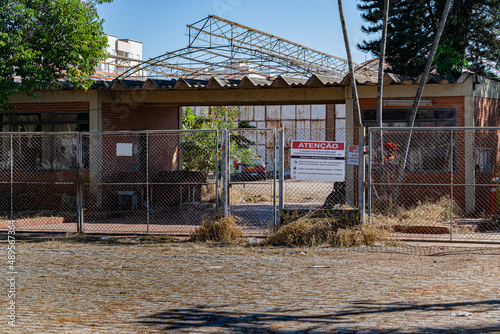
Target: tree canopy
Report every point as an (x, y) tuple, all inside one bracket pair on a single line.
[(198, 147), (471, 36), (42, 41)]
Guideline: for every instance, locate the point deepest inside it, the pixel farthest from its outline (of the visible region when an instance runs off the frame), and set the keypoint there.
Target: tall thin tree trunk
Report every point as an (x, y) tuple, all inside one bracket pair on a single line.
[(416, 102), (359, 119), (380, 90), (355, 99)]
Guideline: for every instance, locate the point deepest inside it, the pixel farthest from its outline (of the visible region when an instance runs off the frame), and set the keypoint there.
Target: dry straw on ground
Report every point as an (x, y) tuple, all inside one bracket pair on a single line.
[(423, 213), (221, 230), (340, 231), (367, 234)]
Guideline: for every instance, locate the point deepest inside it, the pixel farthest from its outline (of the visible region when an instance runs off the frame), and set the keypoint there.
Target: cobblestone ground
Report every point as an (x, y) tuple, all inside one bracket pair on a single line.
[(177, 287)]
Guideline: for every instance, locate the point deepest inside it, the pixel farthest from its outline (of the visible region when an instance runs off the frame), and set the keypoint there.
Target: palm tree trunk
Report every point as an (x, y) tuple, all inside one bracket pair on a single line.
[(361, 132), (381, 89), (414, 109), (355, 99)]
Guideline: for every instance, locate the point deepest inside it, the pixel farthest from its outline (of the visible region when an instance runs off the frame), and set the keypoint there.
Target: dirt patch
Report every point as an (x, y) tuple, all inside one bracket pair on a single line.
[(136, 285)]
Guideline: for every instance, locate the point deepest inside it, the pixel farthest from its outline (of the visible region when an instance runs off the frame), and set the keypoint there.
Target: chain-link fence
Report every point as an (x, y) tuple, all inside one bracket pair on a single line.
[(299, 194), (151, 182), (133, 182), (436, 183), (251, 177), (425, 183), (38, 184)]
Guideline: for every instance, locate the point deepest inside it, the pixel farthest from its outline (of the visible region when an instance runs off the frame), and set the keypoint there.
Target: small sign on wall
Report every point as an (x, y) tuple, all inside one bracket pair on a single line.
[(124, 149)]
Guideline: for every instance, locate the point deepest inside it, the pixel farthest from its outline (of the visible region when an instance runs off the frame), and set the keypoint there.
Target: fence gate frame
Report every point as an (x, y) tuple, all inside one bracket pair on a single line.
[(463, 142), (226, 162)]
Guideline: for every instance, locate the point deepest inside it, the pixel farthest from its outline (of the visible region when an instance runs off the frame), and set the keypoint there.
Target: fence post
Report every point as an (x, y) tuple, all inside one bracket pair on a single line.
[(281, 162), (147, 184), (275, 167), (361, 172), (370, 157), (11, 178), (452, 169), (79, 185), (217, 182), (224, 173)]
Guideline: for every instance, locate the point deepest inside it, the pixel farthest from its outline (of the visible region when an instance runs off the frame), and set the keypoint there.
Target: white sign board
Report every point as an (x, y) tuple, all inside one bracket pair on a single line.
[(353, 155), (318, 160), (123, 149)]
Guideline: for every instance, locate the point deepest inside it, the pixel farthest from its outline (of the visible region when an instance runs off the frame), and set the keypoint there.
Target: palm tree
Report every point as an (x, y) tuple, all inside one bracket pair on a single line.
[(380, 85), (414, 109)]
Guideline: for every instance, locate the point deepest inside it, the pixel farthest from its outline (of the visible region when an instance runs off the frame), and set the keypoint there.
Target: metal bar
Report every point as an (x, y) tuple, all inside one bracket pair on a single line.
[(361, 173), (281, 158), (40, 134), (223, 168), (48, 170), (141, 183), (227, 191), (440, 128), (370, 156), (217, 182), (274, 181), (431, 184), (452, 141), (11, 179), (256, 129), (79, 183), (138, 132), (280, 39), (147, 183)]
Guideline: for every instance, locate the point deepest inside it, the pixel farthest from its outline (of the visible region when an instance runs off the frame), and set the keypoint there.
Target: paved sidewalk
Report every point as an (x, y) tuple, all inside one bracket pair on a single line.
[(131, 287)]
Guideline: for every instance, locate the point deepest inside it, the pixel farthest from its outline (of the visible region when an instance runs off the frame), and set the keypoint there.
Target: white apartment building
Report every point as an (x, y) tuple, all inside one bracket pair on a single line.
[(123, 54)]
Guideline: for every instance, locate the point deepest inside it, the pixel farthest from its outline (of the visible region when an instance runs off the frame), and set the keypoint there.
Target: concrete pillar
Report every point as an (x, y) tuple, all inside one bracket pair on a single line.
[(95, 146), (351, 182), (470, 161)]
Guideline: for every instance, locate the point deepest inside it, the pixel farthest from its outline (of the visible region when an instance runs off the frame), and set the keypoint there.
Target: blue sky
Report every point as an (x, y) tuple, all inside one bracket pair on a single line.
[(161, 24)]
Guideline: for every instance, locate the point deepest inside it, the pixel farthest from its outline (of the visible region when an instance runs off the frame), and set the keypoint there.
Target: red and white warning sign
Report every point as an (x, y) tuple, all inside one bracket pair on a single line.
[(318, 160)]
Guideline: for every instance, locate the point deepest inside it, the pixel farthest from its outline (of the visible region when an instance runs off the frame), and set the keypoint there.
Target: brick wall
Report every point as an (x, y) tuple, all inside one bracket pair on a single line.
[(123, 117), (487, 114), (163, 148), (438, 102), (52, 106)]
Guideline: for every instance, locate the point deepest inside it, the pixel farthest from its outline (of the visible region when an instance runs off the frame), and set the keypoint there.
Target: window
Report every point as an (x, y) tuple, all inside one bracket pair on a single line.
[(56, 152), (430, 151), (398, 117), (483, 159)]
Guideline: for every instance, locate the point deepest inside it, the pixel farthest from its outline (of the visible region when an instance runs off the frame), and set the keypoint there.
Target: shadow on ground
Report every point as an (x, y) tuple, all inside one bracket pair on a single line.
[(221, 318)]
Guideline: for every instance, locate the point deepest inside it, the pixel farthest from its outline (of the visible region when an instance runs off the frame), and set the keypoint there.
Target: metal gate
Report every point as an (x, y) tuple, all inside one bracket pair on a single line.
[(438, 184), (249, 168)]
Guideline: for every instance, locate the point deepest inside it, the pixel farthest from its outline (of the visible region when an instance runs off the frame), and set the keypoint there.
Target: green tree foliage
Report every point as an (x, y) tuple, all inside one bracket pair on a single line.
[(471, 35), (42, 41), (198, 147)]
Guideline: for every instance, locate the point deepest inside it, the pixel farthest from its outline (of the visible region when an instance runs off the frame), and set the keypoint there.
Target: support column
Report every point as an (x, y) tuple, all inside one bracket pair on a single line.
[(95, 146), (351, 182), (470, 161)]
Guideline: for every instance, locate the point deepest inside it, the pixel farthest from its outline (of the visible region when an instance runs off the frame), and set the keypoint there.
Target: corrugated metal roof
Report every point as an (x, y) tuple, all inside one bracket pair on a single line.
[(254, 82)]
